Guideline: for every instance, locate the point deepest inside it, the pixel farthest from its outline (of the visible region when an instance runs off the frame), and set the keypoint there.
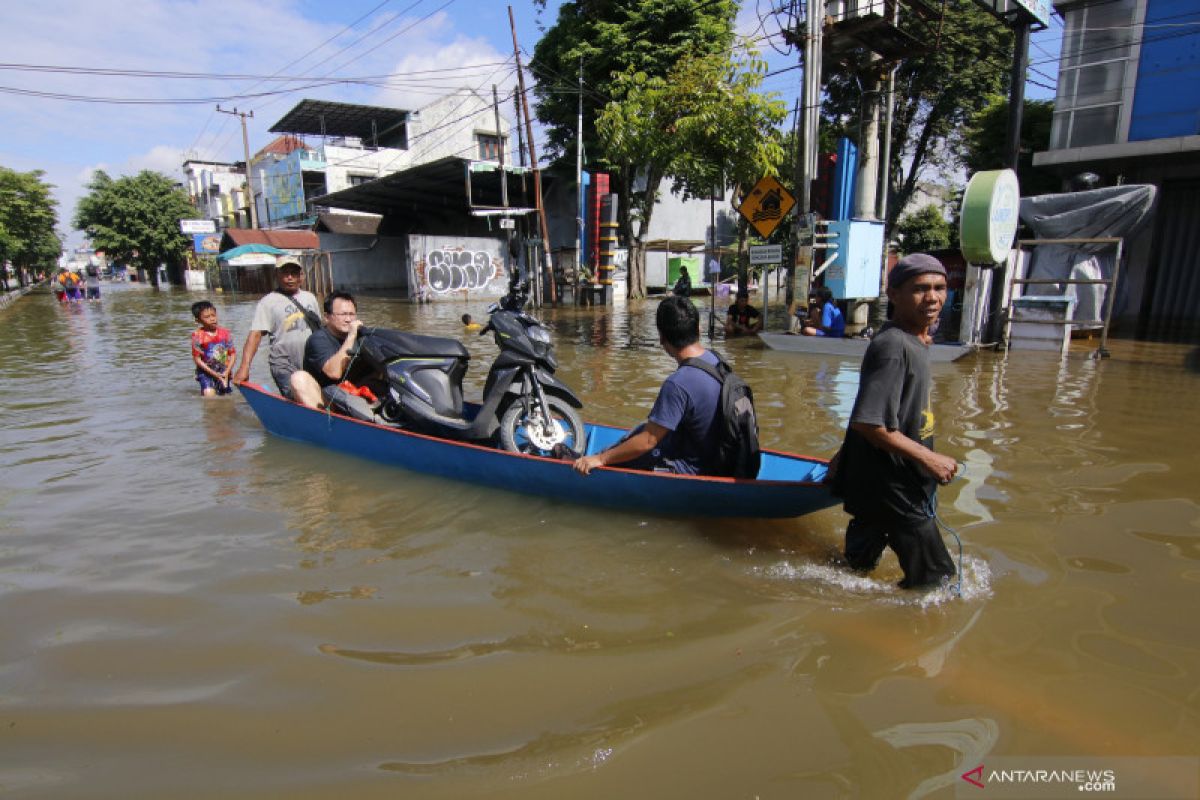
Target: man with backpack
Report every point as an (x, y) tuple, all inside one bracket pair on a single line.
[(288, 315), (702, 422)]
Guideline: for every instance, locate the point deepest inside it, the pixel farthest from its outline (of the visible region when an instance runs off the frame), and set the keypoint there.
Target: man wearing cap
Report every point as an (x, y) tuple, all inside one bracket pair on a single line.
[(287, 315), (887, 472), (742, 317)]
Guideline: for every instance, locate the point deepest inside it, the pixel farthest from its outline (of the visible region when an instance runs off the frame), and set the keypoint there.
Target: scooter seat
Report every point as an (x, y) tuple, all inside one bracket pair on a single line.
[(386, 344)]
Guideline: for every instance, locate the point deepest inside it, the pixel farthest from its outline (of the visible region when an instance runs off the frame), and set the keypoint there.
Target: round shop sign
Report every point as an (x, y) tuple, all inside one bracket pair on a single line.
[(990, 213)]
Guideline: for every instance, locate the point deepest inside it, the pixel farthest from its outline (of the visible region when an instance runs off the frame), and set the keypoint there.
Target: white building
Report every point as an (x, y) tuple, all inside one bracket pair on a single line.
[(325, 147), (217, 190)]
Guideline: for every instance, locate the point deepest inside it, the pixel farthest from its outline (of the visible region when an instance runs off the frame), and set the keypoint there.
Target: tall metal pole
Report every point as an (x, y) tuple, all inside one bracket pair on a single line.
[(713, 277), (1016, 93), (579, 183), (246, 148), (508, 232), (533, 162), (810, 110), (1012, 156), (879, 314)]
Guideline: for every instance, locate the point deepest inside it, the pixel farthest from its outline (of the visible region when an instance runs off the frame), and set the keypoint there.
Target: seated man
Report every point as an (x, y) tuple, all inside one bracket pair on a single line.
[(742, 318), (327, 352), (830, 322), (683, 286), (681, 433)]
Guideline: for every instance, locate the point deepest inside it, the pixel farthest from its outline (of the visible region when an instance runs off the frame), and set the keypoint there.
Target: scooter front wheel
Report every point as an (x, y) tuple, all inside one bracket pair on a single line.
[(522, 432)]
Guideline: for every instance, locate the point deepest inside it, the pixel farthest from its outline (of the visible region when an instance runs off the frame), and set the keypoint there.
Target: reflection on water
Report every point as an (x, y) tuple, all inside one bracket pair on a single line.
[(185, 591)]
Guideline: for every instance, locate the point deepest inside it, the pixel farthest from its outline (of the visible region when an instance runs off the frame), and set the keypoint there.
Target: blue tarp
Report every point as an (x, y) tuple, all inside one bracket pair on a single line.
[(246, 249)]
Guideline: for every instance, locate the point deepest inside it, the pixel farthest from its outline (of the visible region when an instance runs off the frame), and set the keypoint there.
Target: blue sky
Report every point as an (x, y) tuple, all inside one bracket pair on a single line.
[(427, 46)]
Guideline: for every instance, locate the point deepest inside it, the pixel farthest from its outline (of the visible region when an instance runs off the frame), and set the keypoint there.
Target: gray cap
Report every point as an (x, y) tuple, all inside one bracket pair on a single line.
[(912, 265), (290, 263)]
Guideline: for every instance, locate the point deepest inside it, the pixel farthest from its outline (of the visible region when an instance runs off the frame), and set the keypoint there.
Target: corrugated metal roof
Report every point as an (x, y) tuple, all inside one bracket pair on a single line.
[(284, 240), (374, 125)]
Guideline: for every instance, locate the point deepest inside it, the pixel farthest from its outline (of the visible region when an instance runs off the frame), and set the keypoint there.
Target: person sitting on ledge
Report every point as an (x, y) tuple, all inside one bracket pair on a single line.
[(830, 321), (742, 318)]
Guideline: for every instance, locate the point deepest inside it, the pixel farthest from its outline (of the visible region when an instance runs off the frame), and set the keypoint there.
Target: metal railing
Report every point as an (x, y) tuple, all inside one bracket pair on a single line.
[(1109, 299)]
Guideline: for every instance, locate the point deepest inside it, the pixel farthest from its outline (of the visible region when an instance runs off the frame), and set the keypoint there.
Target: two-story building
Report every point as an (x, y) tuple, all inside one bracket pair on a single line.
[(1128, 109), (325, 147)]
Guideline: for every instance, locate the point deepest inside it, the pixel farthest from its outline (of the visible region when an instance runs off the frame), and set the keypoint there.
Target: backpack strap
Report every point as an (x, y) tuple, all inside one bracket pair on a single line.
[(717, 372), (313, 319)]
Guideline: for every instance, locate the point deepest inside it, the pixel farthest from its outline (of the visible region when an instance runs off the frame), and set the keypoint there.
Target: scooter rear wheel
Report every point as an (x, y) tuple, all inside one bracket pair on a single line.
[(527, 433)]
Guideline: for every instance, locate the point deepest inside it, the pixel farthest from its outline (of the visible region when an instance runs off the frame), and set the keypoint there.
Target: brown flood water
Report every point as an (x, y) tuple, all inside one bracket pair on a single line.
[(192, 608)]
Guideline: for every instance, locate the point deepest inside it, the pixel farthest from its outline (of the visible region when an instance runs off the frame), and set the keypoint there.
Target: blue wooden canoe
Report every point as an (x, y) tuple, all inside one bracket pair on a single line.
[(788, 485)]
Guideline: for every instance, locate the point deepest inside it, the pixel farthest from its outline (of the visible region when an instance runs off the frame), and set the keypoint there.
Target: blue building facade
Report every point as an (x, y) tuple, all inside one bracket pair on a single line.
[(1127, 108)]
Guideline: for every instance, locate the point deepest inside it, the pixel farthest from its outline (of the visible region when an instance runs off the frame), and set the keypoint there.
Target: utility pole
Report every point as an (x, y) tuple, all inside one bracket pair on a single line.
[(579, 183), (508, 231), (810, 117), (533, 162), (242, 115), (1016, 93)]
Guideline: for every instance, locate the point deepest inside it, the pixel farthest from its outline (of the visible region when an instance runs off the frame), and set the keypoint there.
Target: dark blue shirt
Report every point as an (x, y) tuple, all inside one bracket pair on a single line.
[(688, 406)]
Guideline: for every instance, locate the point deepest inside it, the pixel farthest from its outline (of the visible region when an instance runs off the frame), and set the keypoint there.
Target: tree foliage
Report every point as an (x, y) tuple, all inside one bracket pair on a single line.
[(937, 94), (923, 231), (704, 125), (987, 133), (28, 215), (135, 219), (622, 46)]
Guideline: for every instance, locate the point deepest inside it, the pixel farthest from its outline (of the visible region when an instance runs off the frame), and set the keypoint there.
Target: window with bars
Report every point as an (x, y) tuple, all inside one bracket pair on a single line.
[(1097, 55), (489, 146)]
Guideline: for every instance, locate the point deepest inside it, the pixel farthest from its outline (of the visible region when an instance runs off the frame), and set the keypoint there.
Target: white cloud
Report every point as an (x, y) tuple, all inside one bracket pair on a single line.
[(69, 139)]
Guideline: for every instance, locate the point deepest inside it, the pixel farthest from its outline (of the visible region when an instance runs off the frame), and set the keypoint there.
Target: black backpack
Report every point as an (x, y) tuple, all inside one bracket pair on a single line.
[(738, 453)]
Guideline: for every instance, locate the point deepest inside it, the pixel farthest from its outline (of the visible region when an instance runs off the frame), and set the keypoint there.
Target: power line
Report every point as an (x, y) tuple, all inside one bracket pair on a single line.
[(232, 76), (307, 53)]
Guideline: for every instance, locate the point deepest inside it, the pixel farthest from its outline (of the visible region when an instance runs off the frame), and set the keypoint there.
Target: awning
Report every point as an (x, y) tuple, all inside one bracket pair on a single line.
[(283, 239), (250, 249), (447, 190)]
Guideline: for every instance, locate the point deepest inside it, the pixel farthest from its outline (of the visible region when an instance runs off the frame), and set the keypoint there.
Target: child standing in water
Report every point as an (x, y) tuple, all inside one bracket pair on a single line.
[(212, 350)]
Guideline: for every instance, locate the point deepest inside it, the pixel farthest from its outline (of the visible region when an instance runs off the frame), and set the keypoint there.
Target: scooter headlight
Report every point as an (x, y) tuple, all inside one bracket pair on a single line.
[(539, 334)]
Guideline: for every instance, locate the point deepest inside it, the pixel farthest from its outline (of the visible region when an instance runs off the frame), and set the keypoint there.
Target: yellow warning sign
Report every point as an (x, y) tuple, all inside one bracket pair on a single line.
[(766, 205)]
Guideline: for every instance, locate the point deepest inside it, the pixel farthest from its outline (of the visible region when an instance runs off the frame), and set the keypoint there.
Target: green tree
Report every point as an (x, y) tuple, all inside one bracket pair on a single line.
[(607, 38), (987, 134), (936, 95), (923, 231), (704, 124), (135, 219), (28, 214)]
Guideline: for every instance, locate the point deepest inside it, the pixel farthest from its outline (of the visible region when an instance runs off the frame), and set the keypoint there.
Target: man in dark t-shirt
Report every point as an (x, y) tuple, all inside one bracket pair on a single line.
[(680, 435), (887, 472), (327, 351), (742, 318)]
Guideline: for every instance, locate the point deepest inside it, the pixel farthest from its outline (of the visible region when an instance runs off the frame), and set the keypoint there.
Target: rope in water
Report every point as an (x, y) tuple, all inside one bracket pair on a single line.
[(931, 509)]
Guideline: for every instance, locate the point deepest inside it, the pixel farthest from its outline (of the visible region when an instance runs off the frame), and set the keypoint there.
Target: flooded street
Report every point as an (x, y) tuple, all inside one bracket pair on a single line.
[(192, 608)]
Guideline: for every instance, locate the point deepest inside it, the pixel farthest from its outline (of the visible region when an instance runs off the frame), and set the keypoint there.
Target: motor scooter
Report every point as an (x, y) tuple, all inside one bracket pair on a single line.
[(524, 405)]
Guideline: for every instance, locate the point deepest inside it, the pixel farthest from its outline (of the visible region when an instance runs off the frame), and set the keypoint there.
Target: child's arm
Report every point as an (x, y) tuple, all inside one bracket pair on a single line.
[(230, 356)]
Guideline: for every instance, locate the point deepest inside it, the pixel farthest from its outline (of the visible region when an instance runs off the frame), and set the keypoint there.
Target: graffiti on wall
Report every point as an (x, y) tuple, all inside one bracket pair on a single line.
[(458, 269)]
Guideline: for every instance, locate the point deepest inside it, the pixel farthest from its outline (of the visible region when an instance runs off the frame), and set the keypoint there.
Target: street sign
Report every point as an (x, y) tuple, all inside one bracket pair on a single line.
[(507, 223), (766, 254), (198, 226), (766, 205)]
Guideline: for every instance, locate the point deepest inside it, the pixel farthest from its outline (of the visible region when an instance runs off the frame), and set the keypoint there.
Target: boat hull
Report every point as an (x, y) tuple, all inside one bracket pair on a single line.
[(850, 348), (789, 485)]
